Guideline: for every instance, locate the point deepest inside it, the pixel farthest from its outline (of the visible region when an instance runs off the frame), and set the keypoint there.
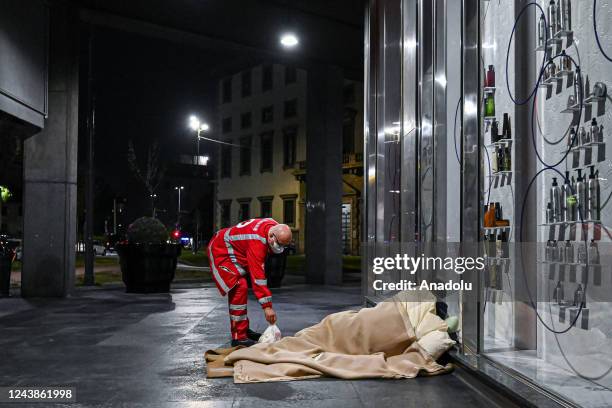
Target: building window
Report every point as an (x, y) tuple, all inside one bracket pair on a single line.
[(349, 94), (225, 208), (267, 114), (246, 83), (245, 155), (267, 81), (226, 160), (290, 75), (289, 147), (267, 146), (265, 203), (226, 125), (291, 108), (227, 90), (348, 131), (245, 120), (289, 209), (245, 209)]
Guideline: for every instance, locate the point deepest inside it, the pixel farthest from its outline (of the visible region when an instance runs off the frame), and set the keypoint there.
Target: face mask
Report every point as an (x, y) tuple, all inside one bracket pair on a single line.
[(276, 248)]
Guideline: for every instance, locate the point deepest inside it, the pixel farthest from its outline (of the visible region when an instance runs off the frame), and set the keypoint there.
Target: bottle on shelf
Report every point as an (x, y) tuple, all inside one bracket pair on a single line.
[(574, 200), (490, 77), (581, 196), (578, 87), (579, 300), (507, 159), (593, 253), (568, 249), (559, 295), (542, 31), (581, 253), (593, 191), (494, 162), (489, 218), (494, 131), (506, 127), (555, 199), (566, 194), (549, 213), (585, 137), (565, 15), (594, 131), (572, 140), (552, 19), (490, 105)]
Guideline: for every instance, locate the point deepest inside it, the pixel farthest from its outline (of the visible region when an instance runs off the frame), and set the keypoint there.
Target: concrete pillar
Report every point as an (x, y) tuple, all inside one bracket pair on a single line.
[(50, 172), (324, 176)]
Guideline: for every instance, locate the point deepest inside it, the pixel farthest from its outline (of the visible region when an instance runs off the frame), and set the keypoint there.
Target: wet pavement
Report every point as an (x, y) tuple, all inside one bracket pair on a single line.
[(122, 349)]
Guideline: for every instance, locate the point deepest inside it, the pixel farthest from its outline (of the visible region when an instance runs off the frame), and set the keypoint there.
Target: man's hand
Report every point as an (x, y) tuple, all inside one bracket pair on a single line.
[(270, 315)]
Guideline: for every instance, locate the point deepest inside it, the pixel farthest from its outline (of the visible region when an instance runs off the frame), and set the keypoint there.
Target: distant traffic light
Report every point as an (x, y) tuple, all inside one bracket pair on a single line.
[(176, 234)]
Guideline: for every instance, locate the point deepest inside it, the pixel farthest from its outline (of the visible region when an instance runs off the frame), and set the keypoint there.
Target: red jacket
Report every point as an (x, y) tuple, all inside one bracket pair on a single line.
[(242, 249)]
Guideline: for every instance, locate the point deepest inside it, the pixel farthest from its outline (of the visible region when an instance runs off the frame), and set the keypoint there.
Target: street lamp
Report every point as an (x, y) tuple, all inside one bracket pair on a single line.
[(289, 40), (199, 128), (153, 197), (178, 214)]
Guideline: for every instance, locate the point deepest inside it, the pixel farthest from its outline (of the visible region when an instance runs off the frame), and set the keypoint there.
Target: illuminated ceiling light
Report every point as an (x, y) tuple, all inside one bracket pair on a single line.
[(289, 40)]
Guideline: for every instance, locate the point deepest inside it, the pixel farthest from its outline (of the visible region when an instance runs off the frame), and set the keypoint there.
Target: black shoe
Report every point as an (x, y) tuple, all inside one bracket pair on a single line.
[(243, 342), (253, 335)]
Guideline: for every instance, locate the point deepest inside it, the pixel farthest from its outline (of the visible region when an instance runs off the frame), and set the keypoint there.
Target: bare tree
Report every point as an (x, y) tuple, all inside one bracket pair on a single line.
[(152, 173)]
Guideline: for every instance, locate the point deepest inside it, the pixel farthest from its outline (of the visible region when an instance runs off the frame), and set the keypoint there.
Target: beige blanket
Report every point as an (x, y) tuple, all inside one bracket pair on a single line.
[(378, 342)]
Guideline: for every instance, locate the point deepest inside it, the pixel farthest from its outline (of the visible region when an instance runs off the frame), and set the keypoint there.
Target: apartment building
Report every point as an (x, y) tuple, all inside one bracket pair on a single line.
[(262, 122)]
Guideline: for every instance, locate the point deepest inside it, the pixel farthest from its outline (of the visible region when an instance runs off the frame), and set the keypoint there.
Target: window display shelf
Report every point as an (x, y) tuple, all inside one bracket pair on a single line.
[(489, 119), (582, 264), (585, 146), (499, 173), (593, 99), (552, 224), (563, 33), (572, 109), (496, 230), (500, 143), (552, 80), (496, 260), (563, 73)]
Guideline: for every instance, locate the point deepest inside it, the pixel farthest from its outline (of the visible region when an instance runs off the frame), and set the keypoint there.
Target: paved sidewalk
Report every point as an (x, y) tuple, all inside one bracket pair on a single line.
[(121, 349)]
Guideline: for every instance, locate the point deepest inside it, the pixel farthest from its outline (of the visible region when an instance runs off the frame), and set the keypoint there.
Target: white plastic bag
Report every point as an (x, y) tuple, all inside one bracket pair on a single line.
[(270, 335)]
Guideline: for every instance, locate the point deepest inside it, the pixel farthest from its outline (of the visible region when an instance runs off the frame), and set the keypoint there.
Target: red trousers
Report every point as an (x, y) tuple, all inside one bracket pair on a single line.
[(237, 299)]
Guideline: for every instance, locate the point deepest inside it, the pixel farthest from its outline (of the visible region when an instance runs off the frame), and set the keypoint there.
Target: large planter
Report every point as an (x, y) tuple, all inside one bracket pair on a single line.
[(275, 269), (148, 268), (5, 272)]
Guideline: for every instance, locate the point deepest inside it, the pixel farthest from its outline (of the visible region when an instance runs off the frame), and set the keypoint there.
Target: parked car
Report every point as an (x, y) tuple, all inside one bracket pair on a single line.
[(99, 248)]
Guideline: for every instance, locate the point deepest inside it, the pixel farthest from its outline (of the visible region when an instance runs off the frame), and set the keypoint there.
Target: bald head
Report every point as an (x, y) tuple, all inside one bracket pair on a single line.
[(282, 234)]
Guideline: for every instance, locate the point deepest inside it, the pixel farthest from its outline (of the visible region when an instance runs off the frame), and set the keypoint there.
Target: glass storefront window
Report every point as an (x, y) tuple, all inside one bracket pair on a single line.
[(487, 127)]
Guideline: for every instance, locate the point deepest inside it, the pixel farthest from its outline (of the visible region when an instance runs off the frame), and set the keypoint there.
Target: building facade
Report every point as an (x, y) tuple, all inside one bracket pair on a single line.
[(262, 154)]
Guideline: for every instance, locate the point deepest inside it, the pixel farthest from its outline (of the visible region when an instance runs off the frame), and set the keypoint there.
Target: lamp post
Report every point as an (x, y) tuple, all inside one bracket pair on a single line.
[(153, 197), (199, 128), (178, 213)]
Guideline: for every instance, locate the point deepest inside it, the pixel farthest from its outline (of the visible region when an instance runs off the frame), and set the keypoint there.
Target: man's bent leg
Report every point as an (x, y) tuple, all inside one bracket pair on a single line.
[(237, 298)]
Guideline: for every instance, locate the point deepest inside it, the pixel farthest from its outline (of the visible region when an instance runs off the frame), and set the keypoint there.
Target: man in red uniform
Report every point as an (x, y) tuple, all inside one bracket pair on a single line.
[(235, 251)]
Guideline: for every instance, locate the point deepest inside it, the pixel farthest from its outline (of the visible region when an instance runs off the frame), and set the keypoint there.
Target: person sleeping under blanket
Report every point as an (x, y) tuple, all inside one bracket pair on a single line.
[(401, 337)]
